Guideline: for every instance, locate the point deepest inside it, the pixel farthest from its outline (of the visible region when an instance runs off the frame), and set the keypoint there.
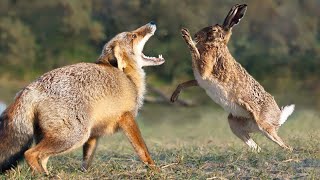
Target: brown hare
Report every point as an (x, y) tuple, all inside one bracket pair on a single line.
[(251, 108)]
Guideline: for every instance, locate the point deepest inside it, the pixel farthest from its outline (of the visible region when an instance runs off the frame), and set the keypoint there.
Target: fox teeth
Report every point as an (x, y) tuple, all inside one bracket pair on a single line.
[(160, 56)]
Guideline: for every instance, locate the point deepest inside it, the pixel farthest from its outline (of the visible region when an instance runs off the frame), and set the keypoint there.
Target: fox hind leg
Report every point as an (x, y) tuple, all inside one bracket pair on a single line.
[(32, 158), (89, 149), (37, 156), (237, 126)]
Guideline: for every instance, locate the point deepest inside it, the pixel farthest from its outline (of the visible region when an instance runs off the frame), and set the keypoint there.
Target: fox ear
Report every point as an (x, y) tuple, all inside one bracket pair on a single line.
[(234, 16), (119, 56), (112, 55)]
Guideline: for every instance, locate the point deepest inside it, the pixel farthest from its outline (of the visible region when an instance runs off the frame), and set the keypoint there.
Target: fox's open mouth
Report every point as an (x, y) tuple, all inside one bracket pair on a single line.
[(158, 60), (152, 60)]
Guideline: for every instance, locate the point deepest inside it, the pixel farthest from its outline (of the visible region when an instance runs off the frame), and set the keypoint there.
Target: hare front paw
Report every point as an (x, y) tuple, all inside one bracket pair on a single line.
[(185, 34), (175, 95)]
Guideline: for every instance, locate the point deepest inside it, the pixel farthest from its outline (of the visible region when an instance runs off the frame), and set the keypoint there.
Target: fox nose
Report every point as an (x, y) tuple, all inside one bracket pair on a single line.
[(152, 23)]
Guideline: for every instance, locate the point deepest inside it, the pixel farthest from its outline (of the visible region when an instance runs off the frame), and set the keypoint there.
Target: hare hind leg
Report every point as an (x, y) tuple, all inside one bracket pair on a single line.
[(270, 131), (239, 127), (273, 136)]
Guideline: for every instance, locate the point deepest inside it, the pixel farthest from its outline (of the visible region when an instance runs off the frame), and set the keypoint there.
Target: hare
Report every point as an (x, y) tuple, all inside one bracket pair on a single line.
[(251, 108)]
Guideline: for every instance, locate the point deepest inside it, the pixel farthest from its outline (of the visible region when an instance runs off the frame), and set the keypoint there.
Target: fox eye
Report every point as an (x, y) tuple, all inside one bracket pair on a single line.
[(134, 36)]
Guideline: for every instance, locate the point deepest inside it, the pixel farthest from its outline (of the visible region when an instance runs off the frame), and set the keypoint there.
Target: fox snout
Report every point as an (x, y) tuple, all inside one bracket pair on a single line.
[(147, 29), (126, 49), (141, 36)]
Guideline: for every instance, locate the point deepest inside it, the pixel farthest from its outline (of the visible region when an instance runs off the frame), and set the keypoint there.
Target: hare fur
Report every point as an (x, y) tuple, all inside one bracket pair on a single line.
[(251, 108)]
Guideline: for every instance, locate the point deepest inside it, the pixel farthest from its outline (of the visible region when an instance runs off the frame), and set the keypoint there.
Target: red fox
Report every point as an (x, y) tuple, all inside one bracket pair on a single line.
[(75, 105)]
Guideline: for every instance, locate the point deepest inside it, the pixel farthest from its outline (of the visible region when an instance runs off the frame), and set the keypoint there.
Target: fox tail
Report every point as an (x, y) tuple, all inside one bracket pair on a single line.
[(16, 131)]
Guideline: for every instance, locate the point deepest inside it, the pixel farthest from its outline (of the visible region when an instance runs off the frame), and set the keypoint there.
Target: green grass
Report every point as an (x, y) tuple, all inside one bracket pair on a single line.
[(196, 143)]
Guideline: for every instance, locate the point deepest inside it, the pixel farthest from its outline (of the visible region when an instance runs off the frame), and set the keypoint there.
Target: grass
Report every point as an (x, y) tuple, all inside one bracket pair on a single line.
[(195, 143)]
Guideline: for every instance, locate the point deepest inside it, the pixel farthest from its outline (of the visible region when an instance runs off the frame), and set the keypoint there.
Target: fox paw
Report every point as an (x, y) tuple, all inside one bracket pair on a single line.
[(153, 168)]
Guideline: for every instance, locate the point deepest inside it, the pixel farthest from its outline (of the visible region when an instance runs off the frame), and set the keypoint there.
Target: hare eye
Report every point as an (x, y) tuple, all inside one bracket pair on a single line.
[(214, 30), (134, 36)]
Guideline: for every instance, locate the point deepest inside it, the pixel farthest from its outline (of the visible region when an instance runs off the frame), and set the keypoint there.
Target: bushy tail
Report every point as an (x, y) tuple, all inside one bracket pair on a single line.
[(285, 113), (16, 132)]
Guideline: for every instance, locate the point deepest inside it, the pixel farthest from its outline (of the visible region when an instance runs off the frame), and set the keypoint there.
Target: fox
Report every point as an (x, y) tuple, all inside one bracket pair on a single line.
[(251, 108), (73, 106)]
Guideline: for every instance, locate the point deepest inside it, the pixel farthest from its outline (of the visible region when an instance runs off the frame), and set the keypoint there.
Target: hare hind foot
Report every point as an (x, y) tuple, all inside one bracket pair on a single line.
[(239, 126)]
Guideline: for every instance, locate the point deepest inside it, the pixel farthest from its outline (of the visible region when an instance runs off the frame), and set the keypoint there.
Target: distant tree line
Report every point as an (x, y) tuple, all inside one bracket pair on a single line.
[(278, 42)]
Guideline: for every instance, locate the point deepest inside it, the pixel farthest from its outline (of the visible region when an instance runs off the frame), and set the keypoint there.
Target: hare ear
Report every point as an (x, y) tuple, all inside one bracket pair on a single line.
[(234, 16)]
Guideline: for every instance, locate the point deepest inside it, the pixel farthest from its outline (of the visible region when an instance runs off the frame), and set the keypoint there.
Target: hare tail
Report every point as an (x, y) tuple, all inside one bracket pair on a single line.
[(285, 113)]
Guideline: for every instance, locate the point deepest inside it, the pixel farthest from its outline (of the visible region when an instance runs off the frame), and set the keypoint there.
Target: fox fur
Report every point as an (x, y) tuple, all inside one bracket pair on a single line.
[(73, 106)]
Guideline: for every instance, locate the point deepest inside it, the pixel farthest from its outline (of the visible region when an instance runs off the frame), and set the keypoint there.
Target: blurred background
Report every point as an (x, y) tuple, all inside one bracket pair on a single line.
[(278, 42)]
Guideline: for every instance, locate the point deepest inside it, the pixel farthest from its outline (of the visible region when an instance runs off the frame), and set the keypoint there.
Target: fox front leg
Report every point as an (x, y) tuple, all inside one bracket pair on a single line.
[(131, 130), (192, 47)]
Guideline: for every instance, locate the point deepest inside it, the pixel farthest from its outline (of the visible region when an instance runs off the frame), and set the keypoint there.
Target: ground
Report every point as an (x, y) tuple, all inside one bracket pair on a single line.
[(195, 143)]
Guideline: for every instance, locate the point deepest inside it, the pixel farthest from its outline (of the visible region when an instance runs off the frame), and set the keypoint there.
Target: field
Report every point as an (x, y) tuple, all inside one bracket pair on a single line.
[(196, 143)]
